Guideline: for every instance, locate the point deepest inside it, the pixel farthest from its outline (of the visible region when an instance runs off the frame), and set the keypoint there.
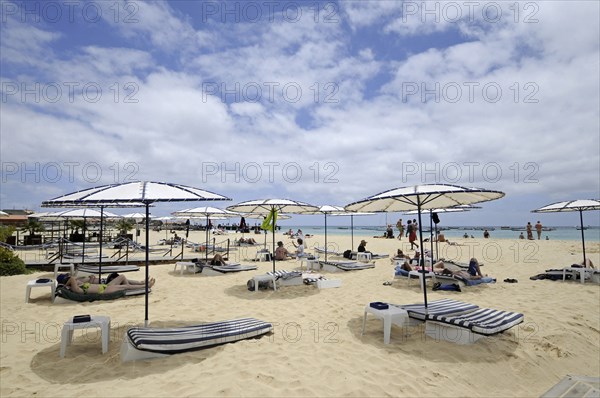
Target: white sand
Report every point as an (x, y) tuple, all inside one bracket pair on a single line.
[(316, 348)]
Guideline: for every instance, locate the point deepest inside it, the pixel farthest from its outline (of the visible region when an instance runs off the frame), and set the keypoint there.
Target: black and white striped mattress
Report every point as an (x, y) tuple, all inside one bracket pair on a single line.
[(174, 340)]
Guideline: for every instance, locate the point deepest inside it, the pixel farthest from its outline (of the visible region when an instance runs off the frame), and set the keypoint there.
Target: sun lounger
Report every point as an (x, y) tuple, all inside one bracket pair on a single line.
[(469, 327), (460, 322), (320, 281), (143, 342), (107, 269), (322, 250), (68, 294), (214, 270), (438, 307), (338, 266), (286, 278), (465, 282), (574, 273)]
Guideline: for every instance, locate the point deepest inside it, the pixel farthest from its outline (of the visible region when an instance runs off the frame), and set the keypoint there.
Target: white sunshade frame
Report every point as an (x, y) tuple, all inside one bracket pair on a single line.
[(579, 205), (265, 206), (423, 197), (146, 192)]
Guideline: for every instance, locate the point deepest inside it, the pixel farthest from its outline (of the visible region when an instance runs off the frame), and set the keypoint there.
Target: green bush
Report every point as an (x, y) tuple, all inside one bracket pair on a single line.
[(10, 263)]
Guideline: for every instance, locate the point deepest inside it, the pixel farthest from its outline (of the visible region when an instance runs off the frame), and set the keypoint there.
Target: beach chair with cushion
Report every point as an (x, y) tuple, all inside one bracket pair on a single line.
[(216, 270), (417, 312), (286, 278), (338, 266), (320, 281), (582, 274), (144, 342), (62, 291), (321, 250), (107, 269), (469, 327)]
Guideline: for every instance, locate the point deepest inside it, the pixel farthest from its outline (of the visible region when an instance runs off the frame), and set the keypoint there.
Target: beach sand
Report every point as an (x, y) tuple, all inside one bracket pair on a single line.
[(316, 348)]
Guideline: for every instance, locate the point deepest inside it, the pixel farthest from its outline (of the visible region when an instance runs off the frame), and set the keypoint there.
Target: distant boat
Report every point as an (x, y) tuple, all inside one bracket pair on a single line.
[(505, 228), (579, 228)]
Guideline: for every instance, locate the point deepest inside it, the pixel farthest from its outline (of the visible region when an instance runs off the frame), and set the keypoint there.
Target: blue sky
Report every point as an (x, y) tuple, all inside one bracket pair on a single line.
[(325, 102)]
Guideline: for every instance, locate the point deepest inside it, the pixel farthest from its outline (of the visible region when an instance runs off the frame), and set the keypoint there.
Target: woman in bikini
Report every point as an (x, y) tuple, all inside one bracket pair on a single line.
[(85, 285)]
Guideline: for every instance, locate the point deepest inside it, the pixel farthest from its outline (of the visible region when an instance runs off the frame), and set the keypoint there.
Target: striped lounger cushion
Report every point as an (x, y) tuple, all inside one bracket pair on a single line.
[(483, 321), (233, 268), (108, 269), (438, 307), (348, 266), (174, 340), (283, 274)]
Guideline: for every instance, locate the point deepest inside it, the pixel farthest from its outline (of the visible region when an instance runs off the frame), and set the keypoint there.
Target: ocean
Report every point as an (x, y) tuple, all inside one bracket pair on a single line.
[(592, 234)]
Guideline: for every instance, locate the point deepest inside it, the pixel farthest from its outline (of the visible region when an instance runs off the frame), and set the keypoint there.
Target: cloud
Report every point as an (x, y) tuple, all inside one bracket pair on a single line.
[(202, 102)]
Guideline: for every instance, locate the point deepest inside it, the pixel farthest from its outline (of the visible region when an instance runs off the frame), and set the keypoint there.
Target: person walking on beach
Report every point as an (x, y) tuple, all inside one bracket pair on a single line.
[(529, 231), (538, 229), (400, 229), (412, 236)]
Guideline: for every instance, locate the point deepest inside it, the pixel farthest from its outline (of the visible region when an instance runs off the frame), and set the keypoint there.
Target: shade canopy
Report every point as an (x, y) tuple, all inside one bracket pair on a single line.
[(579, 205), (204, 211), (78, 214), (138, 191), (570, 205), (146, 192), (325, 210), (135, 216), (423, 197), (266, 206)]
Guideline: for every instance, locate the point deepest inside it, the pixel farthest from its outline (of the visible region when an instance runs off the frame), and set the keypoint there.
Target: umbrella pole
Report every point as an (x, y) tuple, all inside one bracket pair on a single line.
[(422, 261), (206, 244), (582, 236), (100, 240), (147, 262), (83, 247), (431, 235), (274, 226), (325, 236), (352, 230)]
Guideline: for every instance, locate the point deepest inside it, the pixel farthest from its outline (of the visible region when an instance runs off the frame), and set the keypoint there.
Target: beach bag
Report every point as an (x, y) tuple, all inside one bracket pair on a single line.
[(348, 254)]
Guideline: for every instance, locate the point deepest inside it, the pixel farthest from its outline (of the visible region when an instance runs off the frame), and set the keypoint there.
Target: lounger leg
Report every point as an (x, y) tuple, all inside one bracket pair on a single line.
[(364, 322)]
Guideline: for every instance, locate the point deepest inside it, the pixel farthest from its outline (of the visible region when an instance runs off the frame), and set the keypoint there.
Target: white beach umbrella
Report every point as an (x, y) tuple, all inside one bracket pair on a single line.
[(325, 210), (579, 205), (423, 197), (272, 207), (92, 205), (80, 214), (205, 212), (145, 192)]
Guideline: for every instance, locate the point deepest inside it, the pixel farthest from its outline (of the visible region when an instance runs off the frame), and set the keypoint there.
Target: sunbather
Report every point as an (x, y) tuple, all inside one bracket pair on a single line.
[(85, 285)]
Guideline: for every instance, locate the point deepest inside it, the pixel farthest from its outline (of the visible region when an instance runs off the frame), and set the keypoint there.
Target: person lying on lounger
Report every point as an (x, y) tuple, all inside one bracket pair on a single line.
[(248, 241), (91, 284)]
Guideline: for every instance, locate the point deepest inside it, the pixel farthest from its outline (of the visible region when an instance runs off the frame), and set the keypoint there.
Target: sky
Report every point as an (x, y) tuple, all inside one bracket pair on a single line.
[(325, 102)]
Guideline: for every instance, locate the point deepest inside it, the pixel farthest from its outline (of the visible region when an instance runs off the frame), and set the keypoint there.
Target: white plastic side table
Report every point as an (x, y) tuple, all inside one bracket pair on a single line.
[(102, 322), (33, 283), (392, 315)]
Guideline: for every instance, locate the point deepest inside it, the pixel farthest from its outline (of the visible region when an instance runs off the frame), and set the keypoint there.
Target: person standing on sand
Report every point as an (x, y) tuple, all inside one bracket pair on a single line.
[(400, 229), (529, 231), (538, 229)]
